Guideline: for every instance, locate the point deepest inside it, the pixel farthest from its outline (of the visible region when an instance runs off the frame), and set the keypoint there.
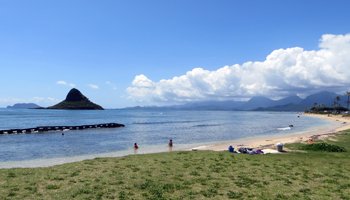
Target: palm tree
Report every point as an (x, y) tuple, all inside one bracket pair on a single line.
[(337, 100), (348, 102), (336, 103)]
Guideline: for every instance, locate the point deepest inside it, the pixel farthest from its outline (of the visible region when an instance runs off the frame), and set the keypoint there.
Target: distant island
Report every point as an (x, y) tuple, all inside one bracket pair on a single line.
[(75, 100), (24, 106)]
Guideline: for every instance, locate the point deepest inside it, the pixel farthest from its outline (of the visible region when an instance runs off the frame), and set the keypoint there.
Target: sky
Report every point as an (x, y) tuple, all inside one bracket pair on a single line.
[(156, 52)]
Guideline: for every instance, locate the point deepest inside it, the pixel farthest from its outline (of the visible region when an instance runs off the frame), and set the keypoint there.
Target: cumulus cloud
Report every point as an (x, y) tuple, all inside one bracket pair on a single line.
[(93, 86), (284, 72), (65, 84)]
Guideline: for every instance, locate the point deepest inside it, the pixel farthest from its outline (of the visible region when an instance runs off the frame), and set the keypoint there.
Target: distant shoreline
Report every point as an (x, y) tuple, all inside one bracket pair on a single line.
[(262, 142)]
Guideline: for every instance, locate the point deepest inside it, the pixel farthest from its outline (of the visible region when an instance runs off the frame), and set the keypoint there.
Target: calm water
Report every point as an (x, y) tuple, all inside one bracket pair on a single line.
[(149, 129)]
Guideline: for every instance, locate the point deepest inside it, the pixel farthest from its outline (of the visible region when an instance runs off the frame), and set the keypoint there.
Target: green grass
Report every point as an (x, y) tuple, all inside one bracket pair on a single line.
[(189, 175)]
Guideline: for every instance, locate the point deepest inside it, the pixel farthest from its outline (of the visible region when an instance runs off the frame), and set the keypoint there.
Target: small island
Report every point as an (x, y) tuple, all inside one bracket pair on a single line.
[(24, 106), (75, 100)]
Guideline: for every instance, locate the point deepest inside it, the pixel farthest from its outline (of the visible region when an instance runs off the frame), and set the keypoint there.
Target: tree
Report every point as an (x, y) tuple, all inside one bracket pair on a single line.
[(348, 102), (337, 100), (336, 105)]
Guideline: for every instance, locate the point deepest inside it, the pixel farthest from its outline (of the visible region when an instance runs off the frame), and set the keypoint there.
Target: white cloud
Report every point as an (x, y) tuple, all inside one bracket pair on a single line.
[(283, 72), (61, 82), (93, 86), (111, 84), (4, 101), (65, 84), (43, 99)]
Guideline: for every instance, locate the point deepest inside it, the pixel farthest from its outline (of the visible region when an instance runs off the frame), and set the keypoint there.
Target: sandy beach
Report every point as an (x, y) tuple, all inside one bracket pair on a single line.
[(269, 142)]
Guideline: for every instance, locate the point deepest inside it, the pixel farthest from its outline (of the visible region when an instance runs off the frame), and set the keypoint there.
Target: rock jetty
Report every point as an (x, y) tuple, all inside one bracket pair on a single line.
[(41, 129)]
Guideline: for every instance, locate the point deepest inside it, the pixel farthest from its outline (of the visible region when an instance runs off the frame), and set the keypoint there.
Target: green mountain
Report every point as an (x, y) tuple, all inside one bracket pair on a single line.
[(75, 100), (260, 103), (321, 98)]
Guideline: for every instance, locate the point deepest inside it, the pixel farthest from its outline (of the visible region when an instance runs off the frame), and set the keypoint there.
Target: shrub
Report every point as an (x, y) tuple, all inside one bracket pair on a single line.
[(323, 147)]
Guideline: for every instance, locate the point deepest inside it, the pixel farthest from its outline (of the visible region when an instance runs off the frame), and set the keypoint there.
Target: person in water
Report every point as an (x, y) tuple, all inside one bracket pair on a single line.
[(170, 143), (136, 146)]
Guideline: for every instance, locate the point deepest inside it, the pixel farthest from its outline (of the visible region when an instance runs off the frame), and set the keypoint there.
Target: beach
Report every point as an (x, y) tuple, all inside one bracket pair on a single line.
[(187, 174), (265, 141), (269, 142)]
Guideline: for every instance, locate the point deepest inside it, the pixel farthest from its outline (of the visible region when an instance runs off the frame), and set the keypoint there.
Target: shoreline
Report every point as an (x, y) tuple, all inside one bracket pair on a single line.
[(269, 141), (266, 142)]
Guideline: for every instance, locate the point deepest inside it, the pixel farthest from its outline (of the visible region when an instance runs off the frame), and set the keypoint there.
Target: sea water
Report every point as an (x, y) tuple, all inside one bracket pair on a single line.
[(151, 129)]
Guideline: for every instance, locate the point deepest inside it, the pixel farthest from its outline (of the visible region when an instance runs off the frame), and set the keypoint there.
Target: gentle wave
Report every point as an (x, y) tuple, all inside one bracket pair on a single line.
[(207, 125), (284, 129), (167, 122)]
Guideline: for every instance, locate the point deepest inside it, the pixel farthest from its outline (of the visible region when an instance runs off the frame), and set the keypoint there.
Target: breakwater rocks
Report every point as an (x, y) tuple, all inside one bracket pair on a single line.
[(41, 129)]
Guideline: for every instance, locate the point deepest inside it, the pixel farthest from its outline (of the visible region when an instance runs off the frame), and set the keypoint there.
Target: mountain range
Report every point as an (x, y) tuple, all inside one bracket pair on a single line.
[(261, 103)]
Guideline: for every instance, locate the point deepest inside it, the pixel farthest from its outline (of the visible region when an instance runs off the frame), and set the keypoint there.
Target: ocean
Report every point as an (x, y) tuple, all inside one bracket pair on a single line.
[(151, 129)]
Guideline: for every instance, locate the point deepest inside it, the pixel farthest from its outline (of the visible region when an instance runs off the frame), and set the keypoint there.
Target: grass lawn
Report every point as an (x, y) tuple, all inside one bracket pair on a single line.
[(189, 175)]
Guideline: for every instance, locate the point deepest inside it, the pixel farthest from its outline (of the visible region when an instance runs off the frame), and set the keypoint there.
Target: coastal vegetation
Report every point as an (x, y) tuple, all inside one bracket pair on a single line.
[(322, 109), (336, 108), (321, 146), (306, 174)]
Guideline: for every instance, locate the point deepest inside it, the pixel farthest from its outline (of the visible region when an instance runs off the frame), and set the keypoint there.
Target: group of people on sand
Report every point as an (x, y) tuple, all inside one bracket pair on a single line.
[(170, 144), (245, 150)]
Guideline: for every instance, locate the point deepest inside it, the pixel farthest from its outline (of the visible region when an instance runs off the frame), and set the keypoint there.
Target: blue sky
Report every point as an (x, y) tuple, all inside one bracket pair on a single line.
[(109, 43)]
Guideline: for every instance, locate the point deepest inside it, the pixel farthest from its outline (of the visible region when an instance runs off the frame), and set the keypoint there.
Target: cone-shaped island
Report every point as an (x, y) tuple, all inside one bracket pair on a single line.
[(75, 100)]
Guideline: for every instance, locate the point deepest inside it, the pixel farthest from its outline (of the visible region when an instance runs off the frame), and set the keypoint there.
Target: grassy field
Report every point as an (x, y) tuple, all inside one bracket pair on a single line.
[(189, 175)]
